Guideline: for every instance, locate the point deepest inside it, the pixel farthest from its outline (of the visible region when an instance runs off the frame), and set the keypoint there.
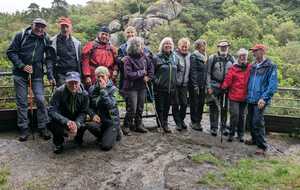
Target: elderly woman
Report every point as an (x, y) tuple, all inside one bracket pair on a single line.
[(138, 70), (197, 83), (165, 75), (180, 106), (236, 81)]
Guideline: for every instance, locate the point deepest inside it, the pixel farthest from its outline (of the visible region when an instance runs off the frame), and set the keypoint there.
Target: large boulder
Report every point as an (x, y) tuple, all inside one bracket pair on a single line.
[(115, 26), (165, 9)]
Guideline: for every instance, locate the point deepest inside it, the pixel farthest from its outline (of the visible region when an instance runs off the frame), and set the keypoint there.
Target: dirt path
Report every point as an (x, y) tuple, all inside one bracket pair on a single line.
[(148, 161)]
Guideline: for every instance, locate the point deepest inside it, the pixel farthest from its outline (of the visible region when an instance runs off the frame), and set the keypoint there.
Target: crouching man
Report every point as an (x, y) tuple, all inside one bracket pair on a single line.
[(106, 121), (68, 109)]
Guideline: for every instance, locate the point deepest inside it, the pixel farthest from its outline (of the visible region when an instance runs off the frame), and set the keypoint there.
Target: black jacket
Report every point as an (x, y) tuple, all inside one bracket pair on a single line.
[(64, 106), (165, 72), (29, 49), (104, 103), (198, 70)]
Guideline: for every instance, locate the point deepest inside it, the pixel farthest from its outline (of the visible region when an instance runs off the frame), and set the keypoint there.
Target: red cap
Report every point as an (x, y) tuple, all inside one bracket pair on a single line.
[(259, 46), (65, 20)]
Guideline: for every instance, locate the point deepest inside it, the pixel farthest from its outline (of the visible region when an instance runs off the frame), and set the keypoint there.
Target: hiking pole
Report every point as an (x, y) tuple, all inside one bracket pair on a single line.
[(153, 104), (31, 105)]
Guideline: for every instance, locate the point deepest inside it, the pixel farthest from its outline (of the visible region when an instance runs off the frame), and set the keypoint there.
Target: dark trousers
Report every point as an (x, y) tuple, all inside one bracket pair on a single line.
[(214, 111), (105, 132), (60, 79), (60, 131), (180, 105), (237, 118), (163, 101), (135, 100), (257, 125), (197, 101)]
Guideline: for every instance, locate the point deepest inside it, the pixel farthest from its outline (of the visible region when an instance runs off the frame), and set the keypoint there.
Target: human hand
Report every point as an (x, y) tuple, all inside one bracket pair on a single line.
[(261, 104), (102, 83), (88, 81), (28, 69), (146, 78)]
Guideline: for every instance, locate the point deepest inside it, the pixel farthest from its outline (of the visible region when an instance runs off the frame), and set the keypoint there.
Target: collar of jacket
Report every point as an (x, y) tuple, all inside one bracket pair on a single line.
[(203, 57), (266, 63)]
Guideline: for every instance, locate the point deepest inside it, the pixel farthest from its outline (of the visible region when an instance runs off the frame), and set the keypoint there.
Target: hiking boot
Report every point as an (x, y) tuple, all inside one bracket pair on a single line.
[(141, 129), (241, 139), (225, 131), (58, 149), (184, 126), (126, 131), (214, 132), (196, 126), (230, 139), (44, 134), (179, 127), (167, 129), (24, 135), (249, 142)]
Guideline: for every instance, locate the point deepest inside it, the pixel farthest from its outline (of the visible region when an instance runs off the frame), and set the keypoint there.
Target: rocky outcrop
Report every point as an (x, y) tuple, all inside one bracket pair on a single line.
[(165, 9)]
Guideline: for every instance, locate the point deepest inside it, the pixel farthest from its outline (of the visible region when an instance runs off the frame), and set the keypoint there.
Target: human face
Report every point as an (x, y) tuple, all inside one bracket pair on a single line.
[(223, 50), (105, 78), (38, 29), (167, 47), (258, 54), (73, 86), (103, 37), (65, 29), (130, 34), (183, 48), (242, 58)]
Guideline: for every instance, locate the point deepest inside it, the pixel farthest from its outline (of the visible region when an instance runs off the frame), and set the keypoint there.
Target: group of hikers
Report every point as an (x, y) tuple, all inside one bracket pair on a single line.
[(86, 78)]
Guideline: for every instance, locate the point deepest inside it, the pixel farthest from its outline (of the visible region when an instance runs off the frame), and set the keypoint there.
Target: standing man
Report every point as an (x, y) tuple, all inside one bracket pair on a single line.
[(262, 85), (197, 83), (68, 109), (99, 52), (26, 52), (180, 105), (66, 51), (218, 65)]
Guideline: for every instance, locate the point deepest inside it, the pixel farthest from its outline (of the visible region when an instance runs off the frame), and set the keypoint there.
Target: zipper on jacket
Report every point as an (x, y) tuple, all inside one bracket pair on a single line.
[(184, 71), (253, 85), (33, 52), (170, 76)]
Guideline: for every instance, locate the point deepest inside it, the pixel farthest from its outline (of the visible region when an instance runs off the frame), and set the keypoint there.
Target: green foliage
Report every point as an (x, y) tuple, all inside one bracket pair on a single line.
[(4, 173), (248, 174)]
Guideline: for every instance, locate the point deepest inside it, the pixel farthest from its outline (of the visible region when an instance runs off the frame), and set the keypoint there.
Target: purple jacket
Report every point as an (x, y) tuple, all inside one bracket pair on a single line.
[(135, 68)]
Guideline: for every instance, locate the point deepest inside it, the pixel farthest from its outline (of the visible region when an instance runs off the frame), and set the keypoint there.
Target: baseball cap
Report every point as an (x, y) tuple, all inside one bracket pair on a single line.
[(65, 21), (72, 76), (223, 43), (39, 21), (258, 46)]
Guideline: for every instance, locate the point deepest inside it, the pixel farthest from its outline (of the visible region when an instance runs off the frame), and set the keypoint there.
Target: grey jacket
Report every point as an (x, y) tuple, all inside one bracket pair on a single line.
[(217, 68), (183, 70)]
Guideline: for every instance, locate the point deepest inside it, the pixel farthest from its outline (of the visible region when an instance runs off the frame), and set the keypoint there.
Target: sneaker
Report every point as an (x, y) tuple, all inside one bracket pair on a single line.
[(249, 142), (196, 126), (44, 134), (241, 139), (225, 131), (58, 149), (214, 132), (24, 135)]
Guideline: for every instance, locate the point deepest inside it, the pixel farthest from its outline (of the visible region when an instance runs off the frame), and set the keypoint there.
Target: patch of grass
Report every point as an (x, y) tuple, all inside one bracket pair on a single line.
[(4, 173), (207, 158), (258, 174)]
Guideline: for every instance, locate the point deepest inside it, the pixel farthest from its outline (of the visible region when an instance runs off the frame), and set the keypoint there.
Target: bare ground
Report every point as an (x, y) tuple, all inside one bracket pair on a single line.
[(142, 161)]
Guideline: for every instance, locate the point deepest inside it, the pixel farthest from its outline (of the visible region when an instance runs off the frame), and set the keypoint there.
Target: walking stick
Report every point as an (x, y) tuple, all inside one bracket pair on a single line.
[(31, 105), (153, 104)]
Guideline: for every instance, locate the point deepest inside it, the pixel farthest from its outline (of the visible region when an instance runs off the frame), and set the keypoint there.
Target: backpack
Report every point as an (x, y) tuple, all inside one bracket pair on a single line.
[(215, 59), (25, 35)]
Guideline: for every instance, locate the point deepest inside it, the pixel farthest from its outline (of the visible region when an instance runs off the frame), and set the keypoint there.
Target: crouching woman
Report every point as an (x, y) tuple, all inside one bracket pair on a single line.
[(106, 125)]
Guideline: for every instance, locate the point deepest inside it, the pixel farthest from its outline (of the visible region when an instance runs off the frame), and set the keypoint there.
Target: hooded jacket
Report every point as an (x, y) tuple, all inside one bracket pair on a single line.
[(104, 102), (183, 69), (236, 81), (263, 82), (29, 49)]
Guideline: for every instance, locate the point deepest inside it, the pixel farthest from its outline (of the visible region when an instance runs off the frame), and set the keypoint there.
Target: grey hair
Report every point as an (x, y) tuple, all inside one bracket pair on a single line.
[(199, 42), (242, 51), (134, 44), (160, 49)]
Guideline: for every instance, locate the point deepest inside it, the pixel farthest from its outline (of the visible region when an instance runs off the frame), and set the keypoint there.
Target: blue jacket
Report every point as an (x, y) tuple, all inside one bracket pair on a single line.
[(263, 82)]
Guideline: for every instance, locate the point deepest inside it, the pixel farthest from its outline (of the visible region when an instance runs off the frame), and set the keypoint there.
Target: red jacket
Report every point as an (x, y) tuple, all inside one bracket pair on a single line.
[(236, 81), (95, 54)]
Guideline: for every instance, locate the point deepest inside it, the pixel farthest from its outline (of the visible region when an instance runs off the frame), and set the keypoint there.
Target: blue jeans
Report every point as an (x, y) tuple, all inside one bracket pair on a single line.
[(257, 126), (21, 88)]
